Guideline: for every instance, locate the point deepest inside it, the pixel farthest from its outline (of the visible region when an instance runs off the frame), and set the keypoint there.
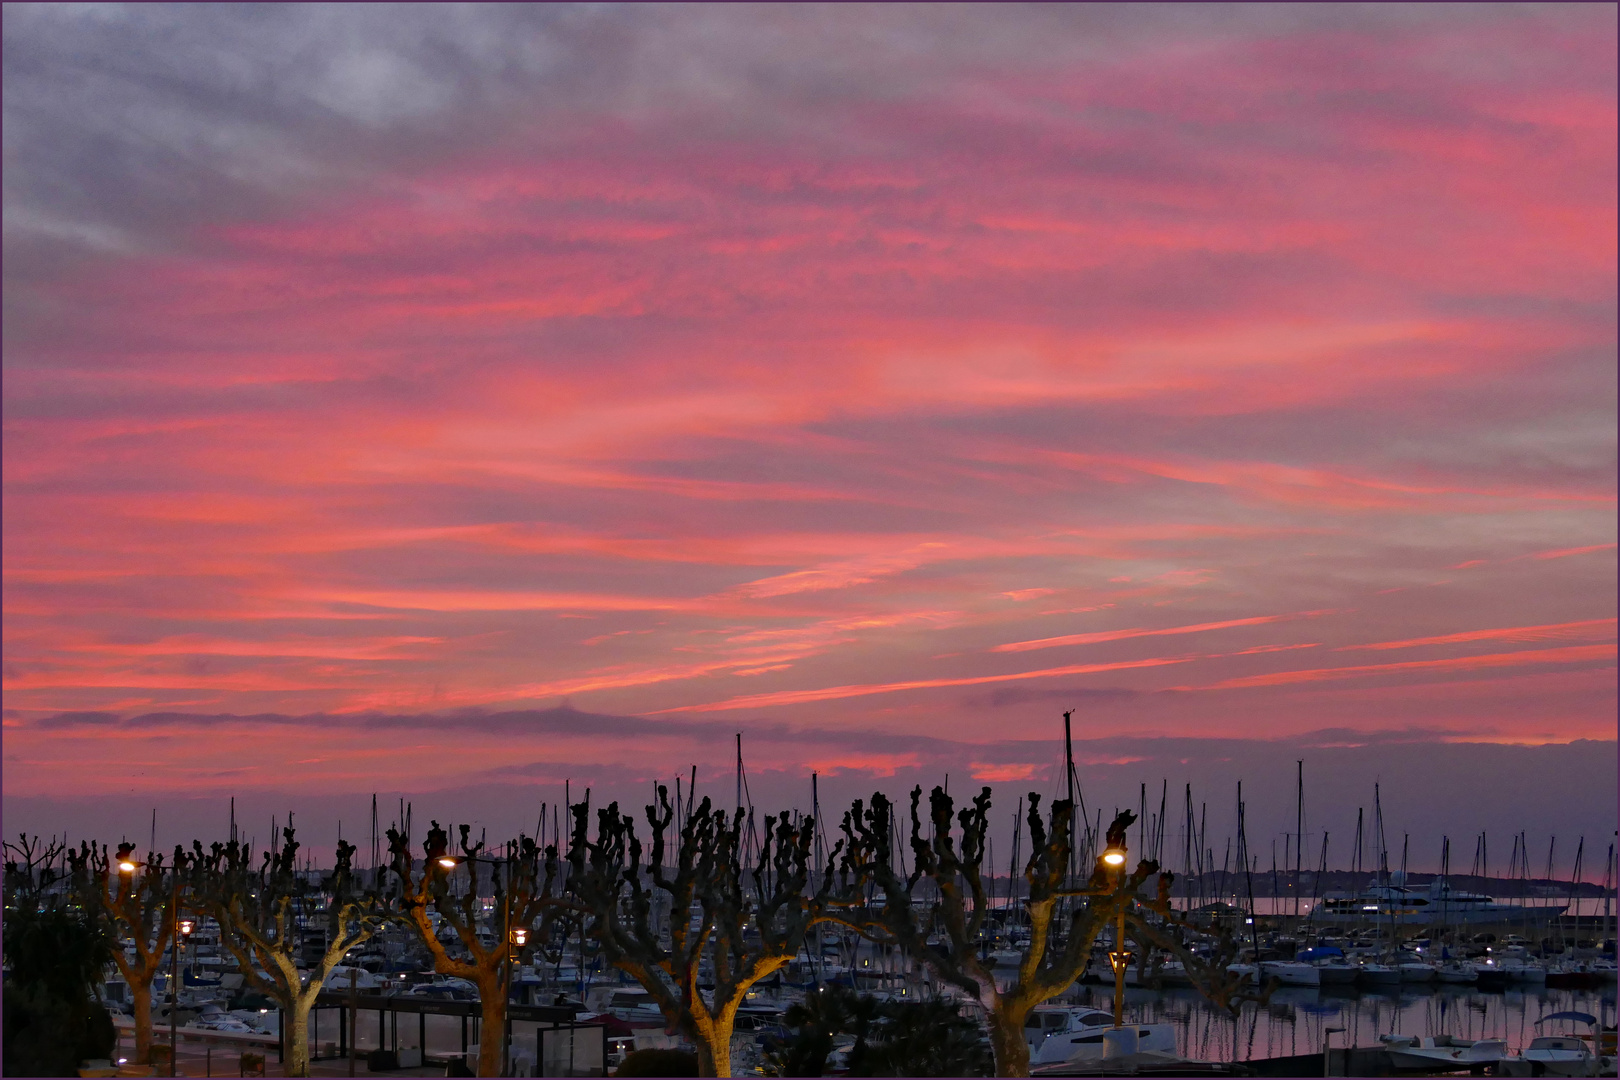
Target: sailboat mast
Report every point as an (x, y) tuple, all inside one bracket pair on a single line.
[(1068, 777), (1299, 829)]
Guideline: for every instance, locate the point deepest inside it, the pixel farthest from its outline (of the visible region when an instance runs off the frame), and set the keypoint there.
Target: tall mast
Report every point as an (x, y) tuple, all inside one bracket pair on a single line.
[(1378, 821), (1068, 776), (1158, 840), (1299, 829), (815, 812), (1187, 847), (1360, 842)]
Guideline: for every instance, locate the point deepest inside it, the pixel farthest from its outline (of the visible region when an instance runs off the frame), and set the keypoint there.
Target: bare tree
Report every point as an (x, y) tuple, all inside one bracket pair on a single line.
[(523, 894), (1156, 924), (750, 920), (258, 914), (31, 871), (951, 860), (142, 904)]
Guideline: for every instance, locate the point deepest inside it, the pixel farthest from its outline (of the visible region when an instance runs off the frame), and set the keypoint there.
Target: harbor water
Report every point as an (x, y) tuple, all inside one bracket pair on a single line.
[(1296, 1018)]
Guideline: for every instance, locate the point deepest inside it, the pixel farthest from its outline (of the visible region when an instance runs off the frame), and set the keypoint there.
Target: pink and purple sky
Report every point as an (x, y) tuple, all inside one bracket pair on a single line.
[(461, 400)]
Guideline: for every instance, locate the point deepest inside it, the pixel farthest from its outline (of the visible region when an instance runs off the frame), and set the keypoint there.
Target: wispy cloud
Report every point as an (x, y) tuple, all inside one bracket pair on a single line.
[(1584, 628), (1570, 655), (1120, 635), (740, 359)]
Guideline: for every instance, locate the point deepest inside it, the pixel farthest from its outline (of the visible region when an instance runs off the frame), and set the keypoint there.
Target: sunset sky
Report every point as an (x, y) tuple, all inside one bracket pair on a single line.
[(462, 400)]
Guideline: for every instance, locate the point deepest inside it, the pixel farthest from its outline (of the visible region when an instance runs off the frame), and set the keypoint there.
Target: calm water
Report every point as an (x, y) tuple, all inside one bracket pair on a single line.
[(1294, 1020)]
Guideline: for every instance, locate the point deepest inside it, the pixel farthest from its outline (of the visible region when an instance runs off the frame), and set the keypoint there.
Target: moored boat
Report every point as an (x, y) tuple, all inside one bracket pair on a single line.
[(1442, 1051), (1058, 1033)]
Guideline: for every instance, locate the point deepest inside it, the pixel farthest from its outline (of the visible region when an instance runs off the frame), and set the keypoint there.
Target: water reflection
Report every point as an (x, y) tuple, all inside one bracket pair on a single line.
[(1295, 1018)]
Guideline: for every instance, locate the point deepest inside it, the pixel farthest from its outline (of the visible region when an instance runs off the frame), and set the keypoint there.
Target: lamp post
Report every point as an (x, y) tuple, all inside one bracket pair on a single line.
[(126, 869), (516, 938), (183, 928), (1115, 857)]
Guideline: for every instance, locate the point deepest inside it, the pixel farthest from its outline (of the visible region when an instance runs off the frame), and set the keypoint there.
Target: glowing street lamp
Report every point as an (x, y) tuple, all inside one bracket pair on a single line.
[(1114, 858), (183, 928)]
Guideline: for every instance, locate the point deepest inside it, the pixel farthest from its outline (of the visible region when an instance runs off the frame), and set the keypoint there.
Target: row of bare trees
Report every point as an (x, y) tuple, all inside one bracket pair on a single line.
[(730, 917)]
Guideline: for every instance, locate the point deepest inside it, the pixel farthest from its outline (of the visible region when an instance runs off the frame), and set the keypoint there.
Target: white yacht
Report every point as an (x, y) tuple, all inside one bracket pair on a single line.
[(1058, 1033), (1442, 1051), (1332, 968), (1286, 972), (1437, 904), (1553, 1055)]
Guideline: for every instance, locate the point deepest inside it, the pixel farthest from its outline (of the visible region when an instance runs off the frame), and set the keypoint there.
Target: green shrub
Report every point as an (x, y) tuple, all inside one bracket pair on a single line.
[(658, 1062)]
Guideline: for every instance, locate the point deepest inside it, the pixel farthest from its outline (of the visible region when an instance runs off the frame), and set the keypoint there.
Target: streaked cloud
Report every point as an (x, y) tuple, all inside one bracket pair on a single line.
[(1120, 635), (799, 364)]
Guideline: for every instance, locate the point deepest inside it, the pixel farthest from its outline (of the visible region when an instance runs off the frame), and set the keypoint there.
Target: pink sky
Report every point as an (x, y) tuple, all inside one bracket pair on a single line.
[(869, 374)]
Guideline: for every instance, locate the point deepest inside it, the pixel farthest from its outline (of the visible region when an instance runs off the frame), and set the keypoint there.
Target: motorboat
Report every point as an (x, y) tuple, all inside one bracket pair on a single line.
[(1370, 974), (1458, 972), (1332, 969), (1286, 972), (1442, 1051), (1059, 1033), (1290, 973), (343, 976), (1417, 972), (1553, 1055), (1566, 1054), (1438, 904)]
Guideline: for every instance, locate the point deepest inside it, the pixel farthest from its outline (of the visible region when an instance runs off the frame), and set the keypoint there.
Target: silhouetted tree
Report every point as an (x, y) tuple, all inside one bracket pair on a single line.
[(56, 955), (751, 920), (951, 860), (1177, 932), (257, 910), (143, 906), (523, 895)]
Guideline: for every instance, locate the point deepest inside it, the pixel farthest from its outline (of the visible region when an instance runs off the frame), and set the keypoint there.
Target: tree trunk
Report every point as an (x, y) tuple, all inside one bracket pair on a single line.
[(714, 1042), (714, 1056), (295, 1035), (492, 1026), (140, 1007), (1007, 1043)]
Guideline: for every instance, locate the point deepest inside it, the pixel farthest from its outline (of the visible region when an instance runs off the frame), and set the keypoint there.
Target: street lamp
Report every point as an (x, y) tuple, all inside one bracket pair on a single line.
[(517, 937), (183, 928), (1114, 857)]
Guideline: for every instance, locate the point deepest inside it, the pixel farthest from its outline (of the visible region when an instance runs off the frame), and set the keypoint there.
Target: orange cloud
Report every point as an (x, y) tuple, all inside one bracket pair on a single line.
[(997, 774), (1561, 553), (1118, 635), (1571, 655), (1584, 628), (795, 697)]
